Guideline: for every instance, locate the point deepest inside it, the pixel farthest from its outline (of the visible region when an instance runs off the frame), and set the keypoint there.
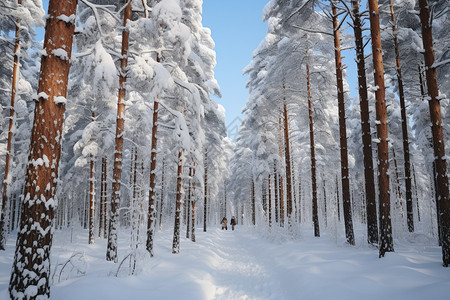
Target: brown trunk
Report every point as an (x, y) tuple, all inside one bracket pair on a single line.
[(287, 156), (436, 129), (275, 187), (92, 197), (417, 195), (102, 210), (342, 133), (188, 212), (385, 242), (152, 192), (401, 94), (315, 212), (161, 206), (299, 199), (270, 202), (324, 201), (111, 252), (193, 206), (205, 203), (10, 134), (338, 204), (253, 203), (176, 227), (31, 267), (280, 178), (105, 204), (397, 181), (371, 209)]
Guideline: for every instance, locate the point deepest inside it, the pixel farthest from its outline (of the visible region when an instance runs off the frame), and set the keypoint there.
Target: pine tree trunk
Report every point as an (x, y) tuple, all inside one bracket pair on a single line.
[(287, 156), (406, 157), (315, 212), (275, 187), (397, 181), (194, 200), (92, 197), (324, 201), (151, 218), (436, 129), (371, 209), (342, 133), (280, 178), (188, 212), (338, 202), (205, 203), (386, 243), (176, 230), (270, 202), (111, 252), (415, 190), (253, 203), (102, 209), (105, 204), (163, 172), (12, 113), (31, 267)]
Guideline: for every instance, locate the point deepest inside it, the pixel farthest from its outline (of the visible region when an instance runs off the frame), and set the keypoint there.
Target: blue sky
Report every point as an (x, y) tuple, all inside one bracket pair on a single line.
[(237, 29)]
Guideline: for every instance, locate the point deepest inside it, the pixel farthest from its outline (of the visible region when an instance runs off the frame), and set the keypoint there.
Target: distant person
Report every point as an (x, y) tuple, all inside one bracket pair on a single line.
[(233, 222), (224, 223)]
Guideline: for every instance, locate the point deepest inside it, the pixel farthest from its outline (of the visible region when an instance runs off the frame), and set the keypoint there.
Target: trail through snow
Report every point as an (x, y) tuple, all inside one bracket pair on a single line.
[(243, 264)]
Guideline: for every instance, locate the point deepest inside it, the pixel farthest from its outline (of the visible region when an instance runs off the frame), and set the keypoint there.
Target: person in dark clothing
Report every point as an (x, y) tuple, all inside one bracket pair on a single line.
[(224, 223), (233, 222)]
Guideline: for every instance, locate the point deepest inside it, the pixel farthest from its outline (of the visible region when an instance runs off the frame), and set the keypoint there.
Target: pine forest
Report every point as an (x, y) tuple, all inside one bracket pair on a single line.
[(120, 178)]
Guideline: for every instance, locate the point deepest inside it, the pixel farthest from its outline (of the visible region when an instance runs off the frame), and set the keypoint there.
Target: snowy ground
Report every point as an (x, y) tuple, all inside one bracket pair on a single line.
[(244, 264)]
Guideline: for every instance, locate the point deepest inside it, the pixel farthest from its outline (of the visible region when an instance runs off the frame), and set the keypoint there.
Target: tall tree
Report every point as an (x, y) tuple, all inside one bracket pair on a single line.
[(342, 132), (152, 192), (385, 242), (401, 94), (315, 212), (369, 181), (31, 267), (437, 132), (10, 134), (111, 252)]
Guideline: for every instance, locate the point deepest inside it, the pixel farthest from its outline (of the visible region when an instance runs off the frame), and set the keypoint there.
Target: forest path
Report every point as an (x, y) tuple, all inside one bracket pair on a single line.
[(240, 271)]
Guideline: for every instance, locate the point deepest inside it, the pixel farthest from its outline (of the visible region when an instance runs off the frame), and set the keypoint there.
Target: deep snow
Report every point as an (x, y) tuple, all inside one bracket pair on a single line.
[(244, 264)]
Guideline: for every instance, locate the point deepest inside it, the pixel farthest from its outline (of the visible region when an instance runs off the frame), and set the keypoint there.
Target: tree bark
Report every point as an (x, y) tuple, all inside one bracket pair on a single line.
[(342, 133), (151, 218), (12, 114), (31, 267), (103, 185), (194, 200), (270, 202), (415, 190), (385, 242), (280, 178), (287, 156), (205, 203), (315, 212), (92, 197), (161, 206), (253, 203), (369, 180), (406, 156), (436, 129), (111, 252), (188, 212), (276, 187), (176, 230)]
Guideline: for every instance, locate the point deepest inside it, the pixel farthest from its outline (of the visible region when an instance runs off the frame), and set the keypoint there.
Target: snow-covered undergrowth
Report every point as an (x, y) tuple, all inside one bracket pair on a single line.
[(243, 264)]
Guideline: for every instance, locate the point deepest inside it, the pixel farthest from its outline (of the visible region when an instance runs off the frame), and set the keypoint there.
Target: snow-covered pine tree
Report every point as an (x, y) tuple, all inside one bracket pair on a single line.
[(31, 269)]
